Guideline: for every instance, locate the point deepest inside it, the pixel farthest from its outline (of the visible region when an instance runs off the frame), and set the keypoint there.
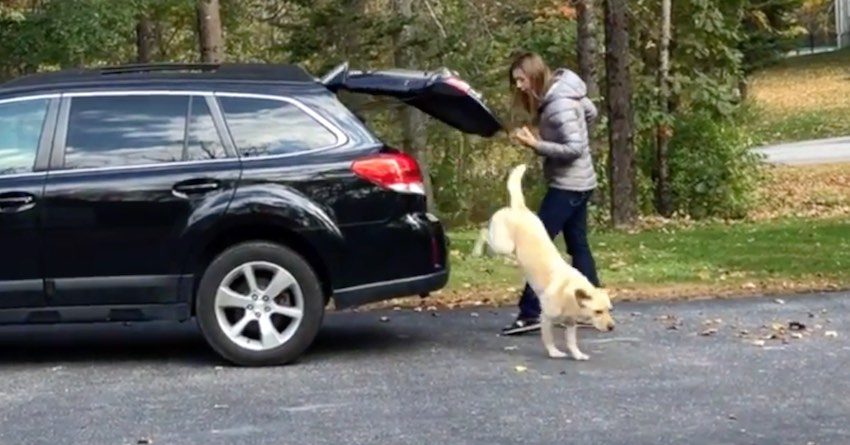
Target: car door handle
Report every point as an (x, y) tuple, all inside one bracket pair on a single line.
[(16, 202), (188, 188)]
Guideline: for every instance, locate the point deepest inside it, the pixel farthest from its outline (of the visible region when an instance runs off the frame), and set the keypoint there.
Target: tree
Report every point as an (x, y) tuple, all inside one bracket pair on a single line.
[(769, 30), (814, 16), (587, 63), (663, 198), (144, 38), (587, 54), (209, 31), (621, 161)]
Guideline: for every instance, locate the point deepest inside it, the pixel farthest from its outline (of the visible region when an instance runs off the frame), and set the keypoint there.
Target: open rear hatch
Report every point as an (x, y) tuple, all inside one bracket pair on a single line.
[(439, 93)]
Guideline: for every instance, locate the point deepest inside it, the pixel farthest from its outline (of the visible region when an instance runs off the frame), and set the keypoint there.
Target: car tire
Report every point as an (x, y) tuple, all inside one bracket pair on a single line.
[(245, 319)]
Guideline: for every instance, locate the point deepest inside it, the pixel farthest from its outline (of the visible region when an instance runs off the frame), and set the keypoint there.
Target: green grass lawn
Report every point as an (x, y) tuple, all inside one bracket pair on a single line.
[(709, 254), (801, 98)]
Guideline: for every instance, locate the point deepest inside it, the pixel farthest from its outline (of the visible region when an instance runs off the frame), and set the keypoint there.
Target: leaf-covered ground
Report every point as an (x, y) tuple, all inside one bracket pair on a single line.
[(802, 98)]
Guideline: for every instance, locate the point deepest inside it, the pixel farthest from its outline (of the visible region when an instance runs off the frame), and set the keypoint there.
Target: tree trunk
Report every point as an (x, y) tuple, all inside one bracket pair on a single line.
[(587, 46), (210, 32), (587, 63), (412, 120), (144, 39), (663, 198), (621, 162)]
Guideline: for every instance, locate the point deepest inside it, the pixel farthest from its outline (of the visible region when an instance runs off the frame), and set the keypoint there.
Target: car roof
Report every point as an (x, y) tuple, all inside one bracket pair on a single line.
[(199, 72)]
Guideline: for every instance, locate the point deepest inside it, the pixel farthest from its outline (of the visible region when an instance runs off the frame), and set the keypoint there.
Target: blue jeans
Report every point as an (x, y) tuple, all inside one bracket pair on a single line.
[(564, 210)]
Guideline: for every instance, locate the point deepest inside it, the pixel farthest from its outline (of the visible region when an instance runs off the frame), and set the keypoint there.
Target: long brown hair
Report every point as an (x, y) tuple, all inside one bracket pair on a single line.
[(539, 75)]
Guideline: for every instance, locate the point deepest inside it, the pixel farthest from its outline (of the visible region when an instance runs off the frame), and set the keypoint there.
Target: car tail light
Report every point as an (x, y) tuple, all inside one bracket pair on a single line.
[(395, 171)]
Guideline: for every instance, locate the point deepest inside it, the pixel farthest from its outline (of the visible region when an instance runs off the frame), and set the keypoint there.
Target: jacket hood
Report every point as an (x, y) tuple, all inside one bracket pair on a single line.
[(565, 84)]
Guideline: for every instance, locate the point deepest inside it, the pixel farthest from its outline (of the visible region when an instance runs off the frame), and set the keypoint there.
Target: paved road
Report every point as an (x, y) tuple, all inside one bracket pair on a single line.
[(820, 151), (420, 379)]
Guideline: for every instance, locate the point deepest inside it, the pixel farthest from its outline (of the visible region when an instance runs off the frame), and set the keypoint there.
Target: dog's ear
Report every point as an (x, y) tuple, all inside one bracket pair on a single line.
[(582, 295)]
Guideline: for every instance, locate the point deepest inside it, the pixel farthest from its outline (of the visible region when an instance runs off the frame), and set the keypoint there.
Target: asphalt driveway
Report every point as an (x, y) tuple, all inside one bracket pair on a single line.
[(448, 378)]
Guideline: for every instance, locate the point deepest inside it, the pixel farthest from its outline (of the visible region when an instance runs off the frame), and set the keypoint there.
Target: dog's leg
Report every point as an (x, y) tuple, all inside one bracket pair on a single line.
[(549, 338), (572, 342)]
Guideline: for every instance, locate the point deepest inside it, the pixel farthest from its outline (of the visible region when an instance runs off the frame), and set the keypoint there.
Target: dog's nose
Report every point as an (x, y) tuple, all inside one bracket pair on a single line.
[(610, 327)]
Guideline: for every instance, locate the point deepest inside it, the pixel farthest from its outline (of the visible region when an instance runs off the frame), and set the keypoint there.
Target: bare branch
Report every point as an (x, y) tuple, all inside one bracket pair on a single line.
[(436, 20)]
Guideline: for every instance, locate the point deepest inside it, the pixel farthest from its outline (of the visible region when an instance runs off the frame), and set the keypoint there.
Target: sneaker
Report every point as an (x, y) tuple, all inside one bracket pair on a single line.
[(521, 326)]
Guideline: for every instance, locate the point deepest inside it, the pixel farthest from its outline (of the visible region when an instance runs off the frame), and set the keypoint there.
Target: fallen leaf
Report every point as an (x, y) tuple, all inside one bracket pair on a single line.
[(779, 301), (796, 335), (384, 319), (619, 264), (758, 342), (831, 334), (732, 417), (748, 285), (796, 326), (707, 332), (511, 348), (474, 314), (431, 308), (520, 368)]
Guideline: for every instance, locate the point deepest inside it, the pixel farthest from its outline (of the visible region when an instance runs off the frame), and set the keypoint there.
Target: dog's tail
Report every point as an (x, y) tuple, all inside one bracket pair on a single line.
[(515, 187)]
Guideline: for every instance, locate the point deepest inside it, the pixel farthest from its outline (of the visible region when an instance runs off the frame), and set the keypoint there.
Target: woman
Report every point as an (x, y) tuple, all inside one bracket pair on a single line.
[(559, 107)]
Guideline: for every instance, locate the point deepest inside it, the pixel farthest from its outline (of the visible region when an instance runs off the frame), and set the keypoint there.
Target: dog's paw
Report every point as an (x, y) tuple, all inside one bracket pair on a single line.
[(581, 357), (557, 354)]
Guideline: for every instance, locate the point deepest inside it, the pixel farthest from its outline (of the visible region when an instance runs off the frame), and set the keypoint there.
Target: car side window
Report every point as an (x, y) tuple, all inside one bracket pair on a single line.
[(112, 131), (21, 123), (203, 141), (263, 127)]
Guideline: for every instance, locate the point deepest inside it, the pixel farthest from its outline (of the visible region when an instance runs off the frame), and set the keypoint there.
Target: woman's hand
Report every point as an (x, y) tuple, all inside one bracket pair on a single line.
[(525, 137)]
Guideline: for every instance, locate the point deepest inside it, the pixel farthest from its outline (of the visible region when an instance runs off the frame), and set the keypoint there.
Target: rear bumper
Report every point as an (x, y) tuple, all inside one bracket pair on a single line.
[(403, 287)]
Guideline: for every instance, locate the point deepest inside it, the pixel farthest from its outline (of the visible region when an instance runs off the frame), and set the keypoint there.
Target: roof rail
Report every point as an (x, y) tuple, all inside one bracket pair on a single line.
[(208, 71), (147, 67)]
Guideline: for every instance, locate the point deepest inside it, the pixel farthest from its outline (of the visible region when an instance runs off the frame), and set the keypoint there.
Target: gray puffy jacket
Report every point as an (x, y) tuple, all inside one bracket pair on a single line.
[(565, 113)]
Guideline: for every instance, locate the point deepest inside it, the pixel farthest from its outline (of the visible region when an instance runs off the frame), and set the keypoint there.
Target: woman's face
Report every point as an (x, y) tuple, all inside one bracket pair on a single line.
[(521, 81)]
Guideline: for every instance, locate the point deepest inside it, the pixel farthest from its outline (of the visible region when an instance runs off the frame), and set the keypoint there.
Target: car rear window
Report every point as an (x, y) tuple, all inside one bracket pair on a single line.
[(270, 127)]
